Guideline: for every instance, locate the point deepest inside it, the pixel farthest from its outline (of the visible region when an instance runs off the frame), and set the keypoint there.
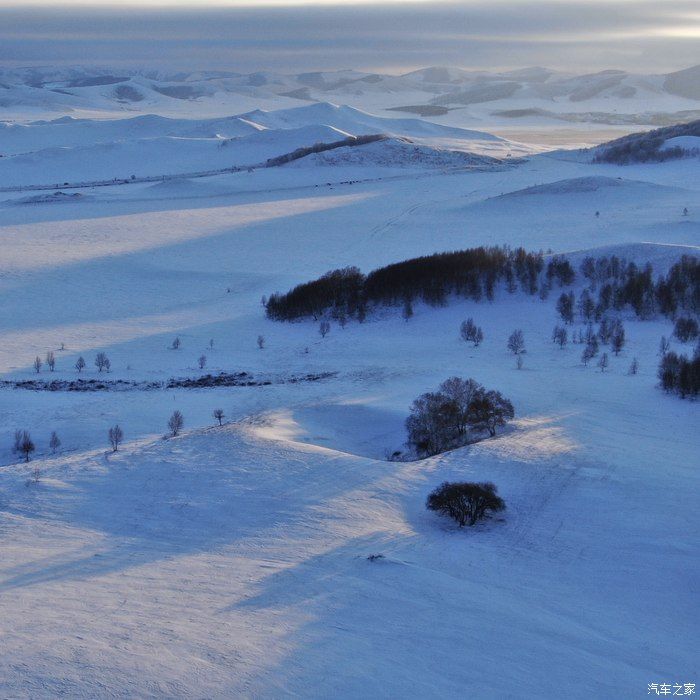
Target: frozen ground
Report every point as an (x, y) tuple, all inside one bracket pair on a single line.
[(232, 561)]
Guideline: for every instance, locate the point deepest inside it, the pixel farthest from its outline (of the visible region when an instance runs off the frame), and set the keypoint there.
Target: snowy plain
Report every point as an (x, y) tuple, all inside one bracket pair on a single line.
[(232, 561)]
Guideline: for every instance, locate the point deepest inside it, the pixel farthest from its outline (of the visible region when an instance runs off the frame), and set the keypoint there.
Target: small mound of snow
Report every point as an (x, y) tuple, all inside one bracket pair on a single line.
[(51, 198), (577, 184)]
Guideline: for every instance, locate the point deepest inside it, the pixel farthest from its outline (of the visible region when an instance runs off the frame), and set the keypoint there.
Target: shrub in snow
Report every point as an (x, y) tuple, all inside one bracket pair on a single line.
[(54, 442), (175, 423), (465, 502), (219, 415), (80, 364), (261, 342), (202, 361), (176, 344), (324, 328), (115, 435)]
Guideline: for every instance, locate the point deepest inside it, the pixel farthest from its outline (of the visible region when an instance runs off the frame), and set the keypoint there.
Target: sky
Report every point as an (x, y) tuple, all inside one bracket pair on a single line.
[(395, 36)]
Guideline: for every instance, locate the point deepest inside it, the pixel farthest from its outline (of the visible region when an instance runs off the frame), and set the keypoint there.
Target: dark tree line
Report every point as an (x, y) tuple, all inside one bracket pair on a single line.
[(474, 274), (646, 146)]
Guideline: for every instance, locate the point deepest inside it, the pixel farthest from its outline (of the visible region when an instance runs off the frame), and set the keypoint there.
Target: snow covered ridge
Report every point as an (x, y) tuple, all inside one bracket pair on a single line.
[(604, 97), (88, 152), (667, 143)]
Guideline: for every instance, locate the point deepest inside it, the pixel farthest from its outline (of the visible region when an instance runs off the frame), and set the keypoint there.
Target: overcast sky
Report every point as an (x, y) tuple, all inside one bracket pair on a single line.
[(283, 35)]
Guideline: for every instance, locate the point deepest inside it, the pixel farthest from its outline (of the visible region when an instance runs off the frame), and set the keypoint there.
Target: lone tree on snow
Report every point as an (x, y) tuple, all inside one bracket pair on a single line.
[(466, 502), (261, 342), (26, 446), (116, 435), (516, 342), (50, 360), (560, 336), (175, 423), (176, 344), (219, 415), (603, 362), (324, 328), (202, 361), (102, 362), (54, 442), (37, 364), (80, 364), (634, 367)]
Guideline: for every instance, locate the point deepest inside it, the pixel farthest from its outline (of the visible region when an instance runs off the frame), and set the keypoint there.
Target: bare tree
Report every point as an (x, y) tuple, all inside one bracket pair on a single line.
[(176, 344), (634, 367), (17, 446), (50, 360), (560, 336), (588, 354), (80, 364), (261, 342), (26, 446), (202, 361), (102, 362), (54, 442), (219, 415), (37, 364), (516, 342), (211, 343), (175, 423), (324, 328), (603, 362), (116, 435)]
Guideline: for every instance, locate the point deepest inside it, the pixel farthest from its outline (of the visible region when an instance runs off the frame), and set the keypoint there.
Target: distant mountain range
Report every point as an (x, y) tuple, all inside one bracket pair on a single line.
[(532, 94)]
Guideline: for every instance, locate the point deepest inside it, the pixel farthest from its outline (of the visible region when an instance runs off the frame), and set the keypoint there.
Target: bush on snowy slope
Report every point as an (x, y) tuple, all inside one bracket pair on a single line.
[(465, 502), (442, 420), (471, 273)]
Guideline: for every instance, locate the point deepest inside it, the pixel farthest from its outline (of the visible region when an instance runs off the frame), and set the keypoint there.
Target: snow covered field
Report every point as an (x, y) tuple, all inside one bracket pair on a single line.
[(232, 561)]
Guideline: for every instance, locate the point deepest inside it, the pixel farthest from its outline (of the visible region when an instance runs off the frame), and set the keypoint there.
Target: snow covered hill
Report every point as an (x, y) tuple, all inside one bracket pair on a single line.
[(232, 561)]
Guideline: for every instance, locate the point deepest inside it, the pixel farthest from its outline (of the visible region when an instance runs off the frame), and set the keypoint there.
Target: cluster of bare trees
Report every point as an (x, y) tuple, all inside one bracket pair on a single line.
[(24, 445), (441, 420), (469, 332)]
